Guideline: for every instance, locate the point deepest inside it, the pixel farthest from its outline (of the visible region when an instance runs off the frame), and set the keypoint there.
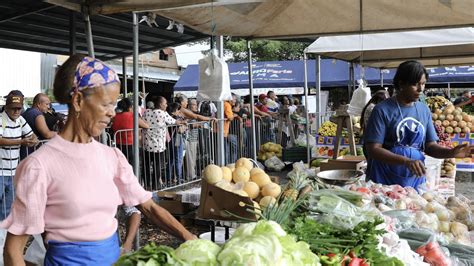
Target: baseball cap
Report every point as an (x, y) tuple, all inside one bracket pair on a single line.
[(14, 97), (262, 96)]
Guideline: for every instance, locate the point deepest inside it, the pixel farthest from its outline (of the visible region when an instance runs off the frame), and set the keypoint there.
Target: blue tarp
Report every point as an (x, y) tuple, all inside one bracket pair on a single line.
[(334, 73)]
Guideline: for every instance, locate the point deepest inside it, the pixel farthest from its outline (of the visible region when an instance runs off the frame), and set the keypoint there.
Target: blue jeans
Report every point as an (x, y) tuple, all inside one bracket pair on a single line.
[(231, 149), (176, 160), (6, 196)]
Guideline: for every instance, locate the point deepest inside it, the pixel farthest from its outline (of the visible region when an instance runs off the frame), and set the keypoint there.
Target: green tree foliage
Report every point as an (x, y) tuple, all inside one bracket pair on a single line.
[(264, 50)]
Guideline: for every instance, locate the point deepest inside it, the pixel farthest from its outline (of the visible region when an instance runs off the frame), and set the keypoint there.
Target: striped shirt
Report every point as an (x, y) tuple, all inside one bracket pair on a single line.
[(14, 130)]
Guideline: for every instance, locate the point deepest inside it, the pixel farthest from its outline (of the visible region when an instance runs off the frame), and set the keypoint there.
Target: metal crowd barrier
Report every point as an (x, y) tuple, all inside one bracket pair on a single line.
[(10, 158)]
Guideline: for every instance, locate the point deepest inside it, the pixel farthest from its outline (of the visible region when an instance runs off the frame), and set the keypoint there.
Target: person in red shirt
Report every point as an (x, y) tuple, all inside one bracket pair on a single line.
[(262, 103), (123, 128)]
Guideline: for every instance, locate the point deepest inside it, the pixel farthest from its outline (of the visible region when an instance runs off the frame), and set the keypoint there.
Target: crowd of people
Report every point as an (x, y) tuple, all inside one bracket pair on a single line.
[(179, 138)]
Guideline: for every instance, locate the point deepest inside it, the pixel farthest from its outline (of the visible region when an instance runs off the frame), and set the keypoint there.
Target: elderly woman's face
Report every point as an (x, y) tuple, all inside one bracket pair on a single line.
[(412, 92), (98, 109), (193, 105)]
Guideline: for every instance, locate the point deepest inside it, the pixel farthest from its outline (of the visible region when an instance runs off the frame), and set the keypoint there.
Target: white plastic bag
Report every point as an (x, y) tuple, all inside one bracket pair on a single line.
[(214, 84), (301, 140), (359, 99)]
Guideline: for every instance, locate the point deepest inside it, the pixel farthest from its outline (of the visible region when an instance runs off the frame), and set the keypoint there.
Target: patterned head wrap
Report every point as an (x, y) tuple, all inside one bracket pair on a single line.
[(90, 73)]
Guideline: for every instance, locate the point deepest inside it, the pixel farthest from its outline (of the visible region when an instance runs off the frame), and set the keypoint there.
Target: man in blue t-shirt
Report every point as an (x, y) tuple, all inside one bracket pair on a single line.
[(35, 118)]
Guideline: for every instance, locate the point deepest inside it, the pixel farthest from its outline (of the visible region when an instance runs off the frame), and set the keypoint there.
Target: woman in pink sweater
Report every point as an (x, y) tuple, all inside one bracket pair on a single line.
[(70, 188)]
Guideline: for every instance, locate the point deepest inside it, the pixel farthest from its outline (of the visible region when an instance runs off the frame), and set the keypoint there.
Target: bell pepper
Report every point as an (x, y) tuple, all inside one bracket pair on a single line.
[(330, 259)]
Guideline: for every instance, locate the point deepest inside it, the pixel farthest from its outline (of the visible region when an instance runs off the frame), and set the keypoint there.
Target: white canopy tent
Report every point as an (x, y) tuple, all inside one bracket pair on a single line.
[(294, 18), (439, 47)]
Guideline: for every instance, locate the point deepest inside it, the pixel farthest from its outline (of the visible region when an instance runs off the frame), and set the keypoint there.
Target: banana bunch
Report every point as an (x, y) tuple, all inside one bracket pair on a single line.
[(437, 102), (327, 129)]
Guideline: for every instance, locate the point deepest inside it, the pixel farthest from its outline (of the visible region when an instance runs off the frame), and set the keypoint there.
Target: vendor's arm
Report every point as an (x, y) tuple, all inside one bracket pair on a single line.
[(376, 150), (14, 247), (433, 149), (163, 219)]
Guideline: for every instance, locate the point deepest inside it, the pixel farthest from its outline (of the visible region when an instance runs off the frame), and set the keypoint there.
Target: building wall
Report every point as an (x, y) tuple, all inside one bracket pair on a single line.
[(20, 70)]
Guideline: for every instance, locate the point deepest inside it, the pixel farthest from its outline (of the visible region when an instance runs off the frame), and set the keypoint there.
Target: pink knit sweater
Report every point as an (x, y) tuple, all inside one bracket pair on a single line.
[(71, 191)]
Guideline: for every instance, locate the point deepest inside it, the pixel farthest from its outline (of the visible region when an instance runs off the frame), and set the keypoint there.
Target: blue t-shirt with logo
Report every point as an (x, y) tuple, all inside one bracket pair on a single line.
[(403, 130), (385, 120)]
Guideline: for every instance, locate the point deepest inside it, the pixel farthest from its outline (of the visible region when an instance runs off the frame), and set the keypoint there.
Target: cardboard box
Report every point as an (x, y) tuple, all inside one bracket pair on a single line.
[(172, 203), (216, 204), (349, 162)]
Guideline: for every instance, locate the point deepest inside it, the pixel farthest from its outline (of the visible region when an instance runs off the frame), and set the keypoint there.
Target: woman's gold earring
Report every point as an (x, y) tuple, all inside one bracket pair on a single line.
[(78, 114)]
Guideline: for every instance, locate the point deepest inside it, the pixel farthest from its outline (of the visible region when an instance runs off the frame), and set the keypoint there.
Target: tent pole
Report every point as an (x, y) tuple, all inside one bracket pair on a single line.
[(381, 78), (90, 43), (318, 91), (136, 163), (124, 76), (449, 90), (252, 104), (220, 112), (352, 80), (306, 111)]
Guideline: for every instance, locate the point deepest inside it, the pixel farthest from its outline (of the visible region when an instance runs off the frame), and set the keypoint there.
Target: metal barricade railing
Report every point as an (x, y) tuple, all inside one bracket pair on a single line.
[(171, 156), (11, 157)]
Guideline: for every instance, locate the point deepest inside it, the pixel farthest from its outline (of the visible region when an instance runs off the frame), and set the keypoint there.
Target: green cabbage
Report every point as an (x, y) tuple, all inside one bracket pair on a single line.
[(198, 252), (259, 249), (265, 243), (297, 253)]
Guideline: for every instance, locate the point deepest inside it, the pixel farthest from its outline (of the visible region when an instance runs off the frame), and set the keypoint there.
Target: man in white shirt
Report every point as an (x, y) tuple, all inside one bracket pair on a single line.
[(14, 132), (272, 102)]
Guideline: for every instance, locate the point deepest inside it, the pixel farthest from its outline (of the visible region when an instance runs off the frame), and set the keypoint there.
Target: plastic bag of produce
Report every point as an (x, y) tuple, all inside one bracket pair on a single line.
[(402, 219), (301, 140), (302, 170), (274, 164), (340, 213), (433, 254)]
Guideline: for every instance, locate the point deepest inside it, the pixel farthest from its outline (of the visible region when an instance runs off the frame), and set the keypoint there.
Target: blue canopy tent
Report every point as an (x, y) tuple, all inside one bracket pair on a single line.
[(273, 74), (437, 75), (334, 73)]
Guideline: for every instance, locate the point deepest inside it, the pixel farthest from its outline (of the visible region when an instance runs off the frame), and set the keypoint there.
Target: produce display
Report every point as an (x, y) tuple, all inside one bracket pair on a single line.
[(451, 218), (437, 102), (263, 243), (245, 180), (268, 150), (448, 168), (327, 129), (453, 120), (301, 223)]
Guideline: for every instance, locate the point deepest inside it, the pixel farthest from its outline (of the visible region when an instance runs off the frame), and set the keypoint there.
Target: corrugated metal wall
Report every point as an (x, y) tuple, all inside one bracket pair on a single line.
[(48, 70), (20, 70)]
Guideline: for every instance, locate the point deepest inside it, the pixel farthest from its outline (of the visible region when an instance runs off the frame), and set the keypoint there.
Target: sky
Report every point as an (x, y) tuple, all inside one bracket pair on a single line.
[(190, 54)]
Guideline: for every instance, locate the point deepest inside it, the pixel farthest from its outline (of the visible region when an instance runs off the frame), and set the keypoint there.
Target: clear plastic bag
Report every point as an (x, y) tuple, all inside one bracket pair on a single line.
[(403, 219), (274, 164)]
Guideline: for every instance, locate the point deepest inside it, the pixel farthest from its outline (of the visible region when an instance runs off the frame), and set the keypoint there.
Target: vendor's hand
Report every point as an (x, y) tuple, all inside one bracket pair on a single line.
[(190, 237), (462, 151), (416, 167)]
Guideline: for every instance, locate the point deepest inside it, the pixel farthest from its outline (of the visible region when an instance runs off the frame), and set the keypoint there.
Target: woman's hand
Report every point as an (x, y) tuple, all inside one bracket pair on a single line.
[(416, 167), (462, 151)]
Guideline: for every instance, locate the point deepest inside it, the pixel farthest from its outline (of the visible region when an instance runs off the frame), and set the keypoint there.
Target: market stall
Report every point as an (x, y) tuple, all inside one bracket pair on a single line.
[(318, 220)]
